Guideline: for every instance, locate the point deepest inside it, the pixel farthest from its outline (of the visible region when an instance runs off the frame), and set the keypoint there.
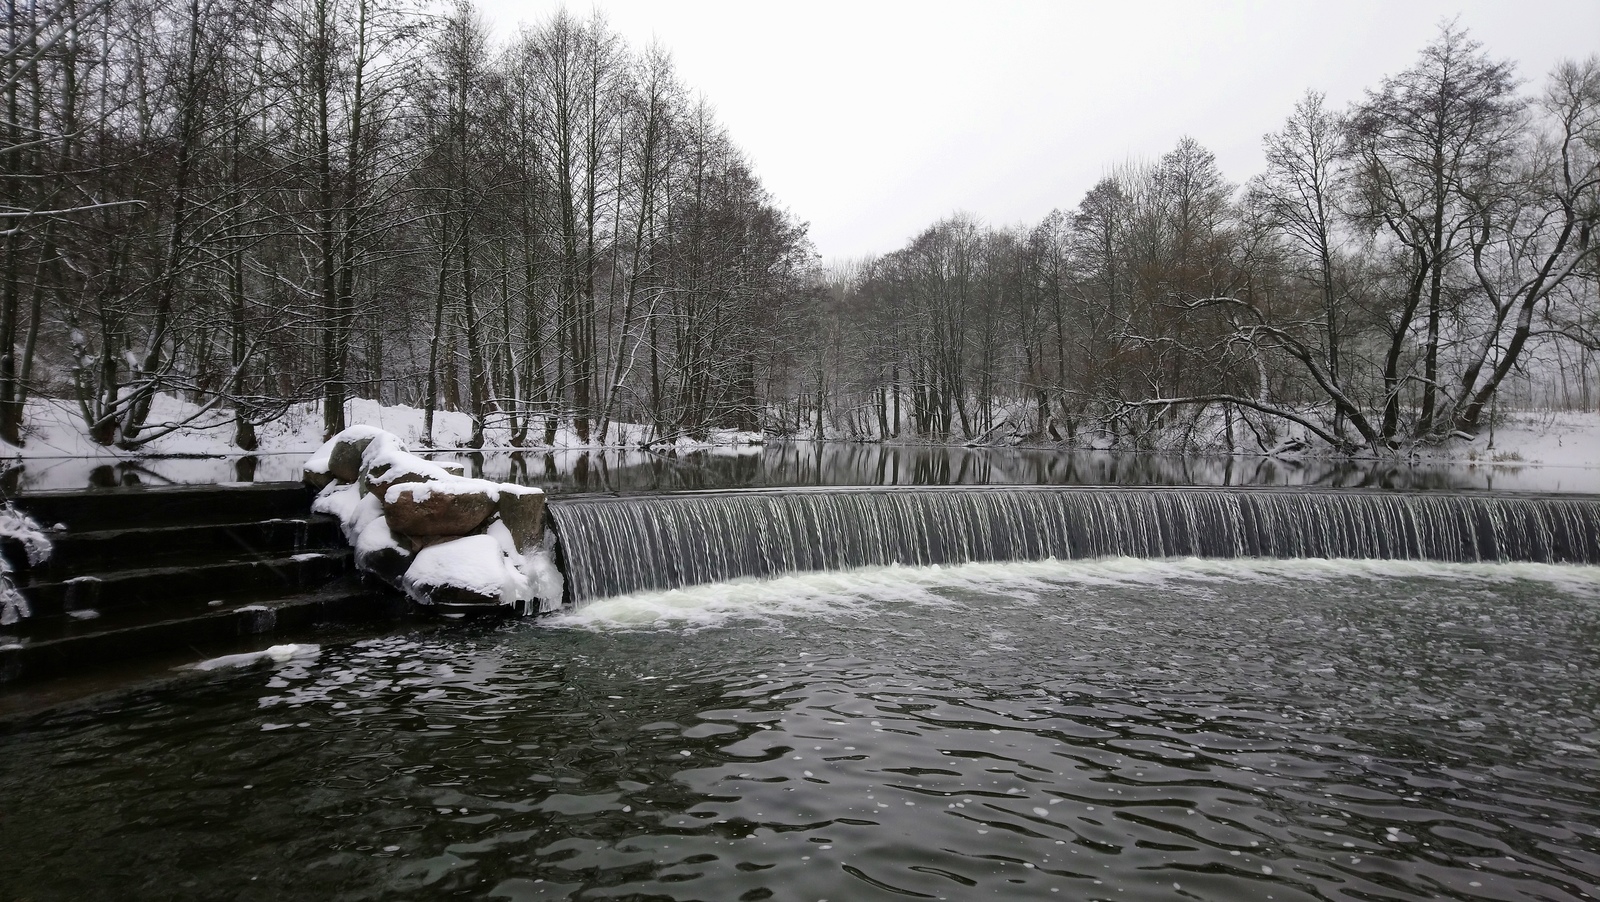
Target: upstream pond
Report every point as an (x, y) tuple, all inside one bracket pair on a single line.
[(781, 464), (1111, 729)]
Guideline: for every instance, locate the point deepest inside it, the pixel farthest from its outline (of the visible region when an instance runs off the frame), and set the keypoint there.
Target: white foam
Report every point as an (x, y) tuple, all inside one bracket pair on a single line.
[(857, 593)]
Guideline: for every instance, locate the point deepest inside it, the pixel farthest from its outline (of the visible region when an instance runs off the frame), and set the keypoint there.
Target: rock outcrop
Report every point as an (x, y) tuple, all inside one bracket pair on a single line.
[(453, 544)]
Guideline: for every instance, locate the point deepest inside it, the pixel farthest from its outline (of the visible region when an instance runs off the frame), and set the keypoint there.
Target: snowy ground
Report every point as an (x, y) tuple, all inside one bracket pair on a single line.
[(1551, 439), (53, 429)]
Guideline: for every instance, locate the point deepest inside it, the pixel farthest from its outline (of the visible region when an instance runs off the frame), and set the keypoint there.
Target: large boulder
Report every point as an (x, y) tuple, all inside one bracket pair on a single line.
[(446, 507), (340, 457), (386, 462), (462, 574), (380, 554), (522, 512), (378, 479), (344, 459)]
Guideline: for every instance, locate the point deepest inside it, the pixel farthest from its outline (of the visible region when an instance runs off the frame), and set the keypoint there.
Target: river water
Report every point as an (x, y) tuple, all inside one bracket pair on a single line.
[(1109, 729), (838, 463)]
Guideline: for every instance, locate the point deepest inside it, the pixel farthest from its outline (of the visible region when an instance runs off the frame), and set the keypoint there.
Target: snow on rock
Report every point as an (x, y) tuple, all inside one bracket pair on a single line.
[(337, 500), (443, 539), (378, 551), (445, 507), (471, 570), (452, 486)]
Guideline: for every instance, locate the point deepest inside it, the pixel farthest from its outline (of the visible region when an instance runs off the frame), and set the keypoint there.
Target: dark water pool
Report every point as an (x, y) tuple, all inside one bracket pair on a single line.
[(1113, 729)]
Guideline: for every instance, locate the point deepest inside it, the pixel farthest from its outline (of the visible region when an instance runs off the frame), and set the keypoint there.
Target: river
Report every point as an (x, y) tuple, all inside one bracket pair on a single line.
[(1117, 729)]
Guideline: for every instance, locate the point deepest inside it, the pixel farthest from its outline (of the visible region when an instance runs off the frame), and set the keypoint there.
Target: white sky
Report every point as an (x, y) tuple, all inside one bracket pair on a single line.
[(871, 119)]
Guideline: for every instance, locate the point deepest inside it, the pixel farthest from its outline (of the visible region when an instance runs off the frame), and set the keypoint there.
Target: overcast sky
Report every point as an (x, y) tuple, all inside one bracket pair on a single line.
[(870, 120)]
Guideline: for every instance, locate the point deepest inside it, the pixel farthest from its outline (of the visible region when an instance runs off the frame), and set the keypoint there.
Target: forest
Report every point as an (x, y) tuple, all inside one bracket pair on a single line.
[(1397, 267), (264, 203)]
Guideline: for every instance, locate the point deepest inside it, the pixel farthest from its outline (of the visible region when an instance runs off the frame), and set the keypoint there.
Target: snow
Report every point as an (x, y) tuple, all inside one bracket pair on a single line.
[(1551, 439), (279, 654), (375, 538), (447, 485), (337, 500), (353, 509), (36, 545), (475, 563), (487, 564), (53, 428)]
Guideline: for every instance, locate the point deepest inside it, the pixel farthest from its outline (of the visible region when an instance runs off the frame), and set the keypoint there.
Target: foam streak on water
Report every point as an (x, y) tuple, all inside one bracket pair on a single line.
[(1114, 729), (620, 546), (838, 595)]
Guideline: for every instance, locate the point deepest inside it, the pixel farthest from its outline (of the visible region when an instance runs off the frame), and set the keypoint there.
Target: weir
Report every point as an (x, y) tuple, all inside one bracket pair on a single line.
[(617, 545)]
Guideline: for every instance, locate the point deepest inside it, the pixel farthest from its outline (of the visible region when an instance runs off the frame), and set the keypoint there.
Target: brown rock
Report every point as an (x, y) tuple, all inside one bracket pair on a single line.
[(344, 462), (458, 576), (433, 509), (318, 481), (522, 512), (378, 479)]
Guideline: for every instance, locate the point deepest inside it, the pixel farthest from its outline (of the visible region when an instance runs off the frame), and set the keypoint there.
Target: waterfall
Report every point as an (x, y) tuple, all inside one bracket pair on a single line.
[(613, 546)]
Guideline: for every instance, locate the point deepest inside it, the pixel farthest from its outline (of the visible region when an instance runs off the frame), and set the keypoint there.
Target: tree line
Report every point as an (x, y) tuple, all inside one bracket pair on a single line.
[(254, 203), (1377, 285), (257, 203)]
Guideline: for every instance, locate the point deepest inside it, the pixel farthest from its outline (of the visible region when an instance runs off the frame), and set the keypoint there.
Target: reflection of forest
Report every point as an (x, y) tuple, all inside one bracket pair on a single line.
[(835, 463)]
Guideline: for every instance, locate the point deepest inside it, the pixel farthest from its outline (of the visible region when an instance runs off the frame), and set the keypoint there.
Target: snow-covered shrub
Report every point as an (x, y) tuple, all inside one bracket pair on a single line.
[(14, 524)]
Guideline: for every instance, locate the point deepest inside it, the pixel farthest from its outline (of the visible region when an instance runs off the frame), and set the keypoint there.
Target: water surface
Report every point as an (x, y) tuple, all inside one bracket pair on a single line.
[(1112, 729), (781, 464)]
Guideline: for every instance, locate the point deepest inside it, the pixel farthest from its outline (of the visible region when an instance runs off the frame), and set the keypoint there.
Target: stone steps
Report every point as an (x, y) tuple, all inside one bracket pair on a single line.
[(108, 590), (69, 648), (139, 572), (91, 551), (142, 507)]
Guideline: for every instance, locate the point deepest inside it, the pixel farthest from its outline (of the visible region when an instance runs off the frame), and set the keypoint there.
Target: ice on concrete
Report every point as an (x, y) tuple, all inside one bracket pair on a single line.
[(278, 654)]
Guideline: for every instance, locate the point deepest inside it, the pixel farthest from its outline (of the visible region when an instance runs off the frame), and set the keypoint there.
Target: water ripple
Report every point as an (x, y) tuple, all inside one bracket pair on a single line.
[(1097, 730)]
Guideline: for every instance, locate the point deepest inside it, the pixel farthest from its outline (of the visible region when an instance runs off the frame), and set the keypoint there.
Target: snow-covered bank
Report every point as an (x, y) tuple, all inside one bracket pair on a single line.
[(1549, 438), (53, 429)]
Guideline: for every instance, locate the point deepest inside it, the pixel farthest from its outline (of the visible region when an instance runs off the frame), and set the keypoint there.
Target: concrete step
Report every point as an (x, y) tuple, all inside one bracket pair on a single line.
[(98, 551), (76, 648), (141, 506), (147, 573), (174, 584)]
